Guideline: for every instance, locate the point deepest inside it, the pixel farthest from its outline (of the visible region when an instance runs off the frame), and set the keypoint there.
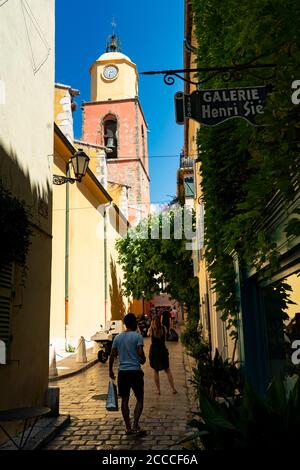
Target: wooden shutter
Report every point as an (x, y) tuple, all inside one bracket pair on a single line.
[(6, 294), (189, 186)]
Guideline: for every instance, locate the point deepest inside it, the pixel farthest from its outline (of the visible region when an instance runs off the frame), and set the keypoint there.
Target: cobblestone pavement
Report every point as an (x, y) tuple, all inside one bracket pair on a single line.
[(164, 416)]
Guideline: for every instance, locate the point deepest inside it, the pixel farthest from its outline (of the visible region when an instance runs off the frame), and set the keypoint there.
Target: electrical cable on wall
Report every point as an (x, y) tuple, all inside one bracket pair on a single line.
[(93, 208), (149, 156)]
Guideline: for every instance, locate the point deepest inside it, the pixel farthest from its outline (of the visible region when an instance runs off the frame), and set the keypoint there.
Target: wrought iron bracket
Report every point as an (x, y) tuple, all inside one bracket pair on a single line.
[(232, 72), (57, 179)]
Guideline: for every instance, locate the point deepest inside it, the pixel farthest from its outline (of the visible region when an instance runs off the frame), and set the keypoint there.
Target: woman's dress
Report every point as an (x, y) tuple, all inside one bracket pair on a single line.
[(159, 354)]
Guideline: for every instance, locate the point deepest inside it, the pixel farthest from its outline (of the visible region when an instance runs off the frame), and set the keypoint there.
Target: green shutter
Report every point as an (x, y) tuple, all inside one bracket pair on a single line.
[(6, 292), (189, 186)]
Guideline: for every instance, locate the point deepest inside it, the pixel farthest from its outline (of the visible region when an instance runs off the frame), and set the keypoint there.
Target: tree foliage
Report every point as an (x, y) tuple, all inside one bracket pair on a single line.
[(243, 166), (155, 265)]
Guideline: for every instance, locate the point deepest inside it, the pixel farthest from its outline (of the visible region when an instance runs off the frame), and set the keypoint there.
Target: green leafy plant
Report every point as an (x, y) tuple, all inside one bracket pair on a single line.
[(250, 421), (193, 341), (218, 377), (244, 166), (15, 229), (154, 265), (290, 368), (70, 348)]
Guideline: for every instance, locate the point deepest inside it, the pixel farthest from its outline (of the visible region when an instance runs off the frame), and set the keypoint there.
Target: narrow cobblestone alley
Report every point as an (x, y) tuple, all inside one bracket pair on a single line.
[(93, 428)]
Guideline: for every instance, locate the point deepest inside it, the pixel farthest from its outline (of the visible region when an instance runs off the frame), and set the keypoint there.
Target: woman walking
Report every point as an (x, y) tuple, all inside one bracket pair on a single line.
[(165, 320), (159, 354)]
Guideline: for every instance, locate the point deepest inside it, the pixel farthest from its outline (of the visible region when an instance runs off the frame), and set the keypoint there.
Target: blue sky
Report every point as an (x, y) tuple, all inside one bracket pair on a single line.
[(151, 34)]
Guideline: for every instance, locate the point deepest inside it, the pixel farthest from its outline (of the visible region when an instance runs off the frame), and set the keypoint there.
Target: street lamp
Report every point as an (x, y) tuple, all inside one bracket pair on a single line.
[(79, 163)]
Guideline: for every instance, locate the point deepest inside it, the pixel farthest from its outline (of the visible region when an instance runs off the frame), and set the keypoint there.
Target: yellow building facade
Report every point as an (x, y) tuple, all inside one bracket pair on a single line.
[(86, 278), (88, 217)]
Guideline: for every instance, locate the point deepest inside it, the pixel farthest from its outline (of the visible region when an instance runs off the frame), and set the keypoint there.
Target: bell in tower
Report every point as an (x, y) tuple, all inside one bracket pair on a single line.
[(110, 142), (110, 136), (113, 44)]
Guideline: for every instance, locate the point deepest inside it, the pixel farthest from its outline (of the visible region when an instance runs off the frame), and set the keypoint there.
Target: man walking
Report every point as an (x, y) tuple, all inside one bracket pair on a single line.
[(129, 346)]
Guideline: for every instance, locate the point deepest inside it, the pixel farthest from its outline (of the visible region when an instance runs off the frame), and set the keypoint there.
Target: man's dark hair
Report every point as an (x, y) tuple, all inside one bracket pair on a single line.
[(130, 321)]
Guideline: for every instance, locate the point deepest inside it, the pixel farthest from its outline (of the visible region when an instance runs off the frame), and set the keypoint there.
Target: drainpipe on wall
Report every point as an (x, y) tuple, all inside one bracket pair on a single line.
[(106, 206), (67, 259)]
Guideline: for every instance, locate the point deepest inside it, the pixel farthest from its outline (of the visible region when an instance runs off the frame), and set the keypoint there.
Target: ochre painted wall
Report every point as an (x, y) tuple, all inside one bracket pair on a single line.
[(57, 317), (89, 304), (115, 191), (117, 303), (63, 114), (136, 307), (294, 282), (86, 285)]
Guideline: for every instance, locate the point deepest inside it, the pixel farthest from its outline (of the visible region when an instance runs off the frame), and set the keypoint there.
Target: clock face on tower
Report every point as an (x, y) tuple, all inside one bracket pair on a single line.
[(110, 72)]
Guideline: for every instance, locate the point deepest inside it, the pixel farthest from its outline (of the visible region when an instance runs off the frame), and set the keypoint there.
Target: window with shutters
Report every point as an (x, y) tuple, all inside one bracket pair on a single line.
[(189, 186), (6, 297)]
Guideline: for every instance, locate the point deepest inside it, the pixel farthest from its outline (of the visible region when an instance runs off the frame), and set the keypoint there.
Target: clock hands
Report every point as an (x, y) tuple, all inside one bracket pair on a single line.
[(110, 72)]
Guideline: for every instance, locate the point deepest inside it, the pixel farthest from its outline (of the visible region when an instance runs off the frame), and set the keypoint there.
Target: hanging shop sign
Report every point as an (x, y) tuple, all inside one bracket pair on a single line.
[(211, 107)]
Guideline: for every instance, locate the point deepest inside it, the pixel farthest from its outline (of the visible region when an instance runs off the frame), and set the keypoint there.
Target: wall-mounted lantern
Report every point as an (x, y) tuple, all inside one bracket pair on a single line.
[(80, 162)]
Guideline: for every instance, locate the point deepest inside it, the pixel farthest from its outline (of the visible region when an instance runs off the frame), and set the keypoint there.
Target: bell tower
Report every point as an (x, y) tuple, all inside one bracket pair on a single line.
[(114, 118), (113, 75)]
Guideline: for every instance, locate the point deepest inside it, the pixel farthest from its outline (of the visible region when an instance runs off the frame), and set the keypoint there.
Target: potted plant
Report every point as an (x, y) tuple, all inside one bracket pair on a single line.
[(251, 421)]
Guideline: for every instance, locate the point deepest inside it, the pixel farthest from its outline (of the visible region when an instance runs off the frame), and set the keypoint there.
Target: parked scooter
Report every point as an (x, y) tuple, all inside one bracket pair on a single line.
[(105, 338)]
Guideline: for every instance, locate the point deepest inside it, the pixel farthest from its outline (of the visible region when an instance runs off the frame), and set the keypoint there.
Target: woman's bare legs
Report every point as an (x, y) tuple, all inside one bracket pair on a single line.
[(156, 380), (170, 378)]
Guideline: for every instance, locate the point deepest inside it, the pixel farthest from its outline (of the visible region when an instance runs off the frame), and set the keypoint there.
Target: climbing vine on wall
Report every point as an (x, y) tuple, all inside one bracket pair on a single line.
[(243, 166)]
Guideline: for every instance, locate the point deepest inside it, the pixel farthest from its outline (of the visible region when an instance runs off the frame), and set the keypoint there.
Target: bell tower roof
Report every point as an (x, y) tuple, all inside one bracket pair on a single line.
[(112, 56), (113, 47)]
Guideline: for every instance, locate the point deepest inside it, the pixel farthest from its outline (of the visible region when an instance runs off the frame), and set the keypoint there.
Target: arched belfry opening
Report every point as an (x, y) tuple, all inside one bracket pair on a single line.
[(110, 134)]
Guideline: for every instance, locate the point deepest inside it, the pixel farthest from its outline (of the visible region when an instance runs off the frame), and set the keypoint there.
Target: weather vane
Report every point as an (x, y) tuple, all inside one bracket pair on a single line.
[(113, 23), (113, 43)]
